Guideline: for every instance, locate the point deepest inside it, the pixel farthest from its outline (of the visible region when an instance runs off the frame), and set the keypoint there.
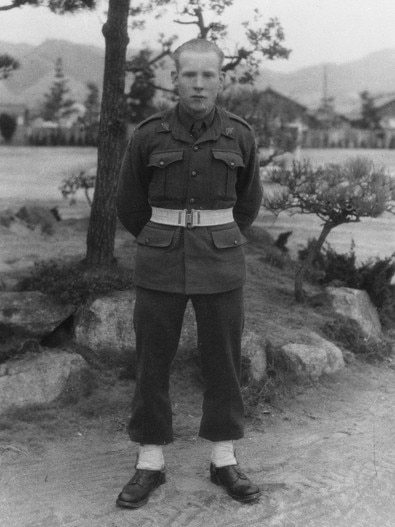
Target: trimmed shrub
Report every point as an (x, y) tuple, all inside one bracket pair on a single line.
[(74, 283), (7, 126), (348, 334), (374, 276)]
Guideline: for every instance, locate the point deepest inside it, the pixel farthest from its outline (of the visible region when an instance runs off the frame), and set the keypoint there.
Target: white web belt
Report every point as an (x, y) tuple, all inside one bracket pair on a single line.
[(191, 218)]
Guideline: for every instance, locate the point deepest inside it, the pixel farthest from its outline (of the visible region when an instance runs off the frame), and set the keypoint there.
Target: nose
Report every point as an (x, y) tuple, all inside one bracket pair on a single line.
[(198, 85)]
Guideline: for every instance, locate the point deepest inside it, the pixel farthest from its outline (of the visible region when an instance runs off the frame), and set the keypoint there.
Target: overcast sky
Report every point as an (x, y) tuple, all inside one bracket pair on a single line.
[(316, 30)]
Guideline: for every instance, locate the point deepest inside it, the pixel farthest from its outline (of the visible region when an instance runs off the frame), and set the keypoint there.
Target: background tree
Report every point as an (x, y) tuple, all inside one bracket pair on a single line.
[(142, 91), (57, 102), (102, 224), (370, 118), (7, 65), (112, 137), (92, 105), (56, 6), (7, 126), (268, 117), (242, 63), (91, 117), (336, 193)]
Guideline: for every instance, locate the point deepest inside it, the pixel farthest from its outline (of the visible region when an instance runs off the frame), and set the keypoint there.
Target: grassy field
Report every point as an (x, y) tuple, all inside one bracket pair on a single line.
[(36, 173), (379, 157)]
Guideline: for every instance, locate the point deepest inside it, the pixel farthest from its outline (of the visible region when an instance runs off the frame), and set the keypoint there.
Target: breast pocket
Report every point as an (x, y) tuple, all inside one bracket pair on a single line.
[(166, 182), (224, 176)]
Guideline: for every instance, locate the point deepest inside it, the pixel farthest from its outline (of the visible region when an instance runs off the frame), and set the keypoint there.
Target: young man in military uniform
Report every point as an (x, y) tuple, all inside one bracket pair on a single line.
[(189, 185)]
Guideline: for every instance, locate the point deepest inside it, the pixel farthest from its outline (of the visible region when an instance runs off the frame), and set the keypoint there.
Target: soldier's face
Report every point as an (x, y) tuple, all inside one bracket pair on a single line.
[(198, 81)]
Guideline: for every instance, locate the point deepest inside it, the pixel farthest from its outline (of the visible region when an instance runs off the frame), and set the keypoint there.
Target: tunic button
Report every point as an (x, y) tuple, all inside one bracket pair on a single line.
[(232, 164), (194, 173), (236, 242), (192, 200), (147, 240), (195, 148), (161, 163)]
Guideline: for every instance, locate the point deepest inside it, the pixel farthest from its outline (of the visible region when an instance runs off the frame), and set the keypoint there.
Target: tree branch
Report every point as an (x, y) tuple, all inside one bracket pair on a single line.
[(59, 7), (184, 23), (8, 7)]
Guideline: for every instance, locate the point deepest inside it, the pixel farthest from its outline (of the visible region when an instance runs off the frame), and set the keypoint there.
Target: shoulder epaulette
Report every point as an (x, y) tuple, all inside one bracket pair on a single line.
[(239, 119), (155, 117)]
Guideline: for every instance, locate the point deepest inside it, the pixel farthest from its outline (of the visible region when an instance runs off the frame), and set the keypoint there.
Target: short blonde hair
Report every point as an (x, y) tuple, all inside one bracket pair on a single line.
[(198, 44)]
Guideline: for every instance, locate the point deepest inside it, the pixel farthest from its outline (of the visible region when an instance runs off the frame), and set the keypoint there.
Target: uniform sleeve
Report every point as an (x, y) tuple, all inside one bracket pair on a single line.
[(248, 186), (133, 207)]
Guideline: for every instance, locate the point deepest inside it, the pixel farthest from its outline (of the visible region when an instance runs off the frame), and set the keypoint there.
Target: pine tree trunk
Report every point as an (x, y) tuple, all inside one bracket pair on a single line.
[(112, 135), (307, 263)]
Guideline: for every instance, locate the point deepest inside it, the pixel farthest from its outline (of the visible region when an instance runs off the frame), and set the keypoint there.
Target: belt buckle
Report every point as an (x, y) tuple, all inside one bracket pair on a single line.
[(189, 217), (192, 218)]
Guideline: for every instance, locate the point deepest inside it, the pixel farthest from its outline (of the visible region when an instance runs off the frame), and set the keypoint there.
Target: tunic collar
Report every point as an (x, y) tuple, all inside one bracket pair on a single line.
[(220, 124), (188, 120)]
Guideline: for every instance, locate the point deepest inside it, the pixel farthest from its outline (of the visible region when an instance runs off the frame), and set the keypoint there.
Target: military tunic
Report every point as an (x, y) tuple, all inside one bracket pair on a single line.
[(165, 167)]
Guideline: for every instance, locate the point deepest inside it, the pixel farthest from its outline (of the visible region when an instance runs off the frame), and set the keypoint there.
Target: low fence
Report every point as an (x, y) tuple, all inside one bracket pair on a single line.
[(349, 138), (331, 138), (75, 136)]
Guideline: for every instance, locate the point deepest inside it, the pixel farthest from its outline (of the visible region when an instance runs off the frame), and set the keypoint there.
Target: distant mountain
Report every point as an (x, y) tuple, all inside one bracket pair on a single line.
[(374, 72), (81, 64)]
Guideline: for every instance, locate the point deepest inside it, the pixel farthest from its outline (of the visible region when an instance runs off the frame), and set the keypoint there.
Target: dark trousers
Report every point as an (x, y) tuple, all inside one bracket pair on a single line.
[(158, 318)]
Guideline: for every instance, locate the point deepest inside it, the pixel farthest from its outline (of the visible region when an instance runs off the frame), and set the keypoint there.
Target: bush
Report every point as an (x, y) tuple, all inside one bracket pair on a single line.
[(348, 334), (74, 283), (84, 180), (341, 267), (7, 126), (374, 276), (376, 279)]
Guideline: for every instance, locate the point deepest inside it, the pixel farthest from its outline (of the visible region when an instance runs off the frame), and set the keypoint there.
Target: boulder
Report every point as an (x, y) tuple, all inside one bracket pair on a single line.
[(37, 217), (40, 378), (254, 350), (355, 304), (6, 218), (32, 313), (313, 356), (9, 283), (105, 326)]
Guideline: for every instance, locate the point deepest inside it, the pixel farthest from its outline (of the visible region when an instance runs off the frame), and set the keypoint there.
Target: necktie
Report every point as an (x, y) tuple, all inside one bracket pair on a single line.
[(197, 129)]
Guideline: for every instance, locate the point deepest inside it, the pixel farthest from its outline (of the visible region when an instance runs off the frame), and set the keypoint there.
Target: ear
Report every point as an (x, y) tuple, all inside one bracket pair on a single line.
[(221, 80), (174, 77)]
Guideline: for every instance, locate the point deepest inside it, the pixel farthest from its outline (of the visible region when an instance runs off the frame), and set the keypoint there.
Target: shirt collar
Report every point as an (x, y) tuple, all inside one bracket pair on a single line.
[(187, 120)]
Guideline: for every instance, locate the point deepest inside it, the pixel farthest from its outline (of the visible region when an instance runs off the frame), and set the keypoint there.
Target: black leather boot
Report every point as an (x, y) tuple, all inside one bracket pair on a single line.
[(137, 491), (237, 485)]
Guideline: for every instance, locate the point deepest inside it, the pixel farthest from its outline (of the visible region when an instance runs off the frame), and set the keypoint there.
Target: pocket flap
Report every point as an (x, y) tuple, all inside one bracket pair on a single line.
[(154, 237), (165, 158), (232, 159), (227, 238)]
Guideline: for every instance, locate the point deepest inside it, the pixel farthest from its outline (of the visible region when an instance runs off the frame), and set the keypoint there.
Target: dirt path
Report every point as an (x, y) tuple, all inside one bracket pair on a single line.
[(327, 460)]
